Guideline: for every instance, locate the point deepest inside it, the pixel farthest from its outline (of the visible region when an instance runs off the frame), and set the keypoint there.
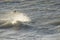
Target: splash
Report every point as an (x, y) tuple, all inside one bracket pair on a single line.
[(17, 16)]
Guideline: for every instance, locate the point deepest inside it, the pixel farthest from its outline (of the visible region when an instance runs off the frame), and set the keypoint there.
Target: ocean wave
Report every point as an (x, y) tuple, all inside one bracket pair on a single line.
[(39, 24), (7, 24)]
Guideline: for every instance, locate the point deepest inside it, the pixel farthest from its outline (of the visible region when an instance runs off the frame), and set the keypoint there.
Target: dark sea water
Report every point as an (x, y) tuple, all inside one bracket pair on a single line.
[(44, 16)]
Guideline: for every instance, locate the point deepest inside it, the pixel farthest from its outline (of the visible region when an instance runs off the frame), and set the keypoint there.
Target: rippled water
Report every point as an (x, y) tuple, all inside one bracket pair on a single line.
[(44, 15)]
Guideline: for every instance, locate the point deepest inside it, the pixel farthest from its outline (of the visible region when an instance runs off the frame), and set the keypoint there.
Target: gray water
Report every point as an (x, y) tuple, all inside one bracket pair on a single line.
[(45, 16)]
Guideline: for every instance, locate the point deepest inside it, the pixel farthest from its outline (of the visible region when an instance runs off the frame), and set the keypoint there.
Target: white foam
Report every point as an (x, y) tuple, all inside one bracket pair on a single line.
[(19, 17)]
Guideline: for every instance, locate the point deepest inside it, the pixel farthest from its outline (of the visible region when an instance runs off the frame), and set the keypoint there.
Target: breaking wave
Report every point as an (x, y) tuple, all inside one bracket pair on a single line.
[(14, 19)]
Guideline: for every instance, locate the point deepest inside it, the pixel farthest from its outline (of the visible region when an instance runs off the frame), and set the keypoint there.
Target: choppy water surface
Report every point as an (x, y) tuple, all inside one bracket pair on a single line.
[(44, 15)]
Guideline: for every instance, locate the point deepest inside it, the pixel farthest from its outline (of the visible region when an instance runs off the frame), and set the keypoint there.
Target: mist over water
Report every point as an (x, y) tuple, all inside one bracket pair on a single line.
[(34, 20)]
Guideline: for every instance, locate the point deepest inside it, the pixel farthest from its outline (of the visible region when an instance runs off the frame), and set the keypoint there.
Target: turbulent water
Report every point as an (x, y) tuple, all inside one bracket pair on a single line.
[(44, 16)]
